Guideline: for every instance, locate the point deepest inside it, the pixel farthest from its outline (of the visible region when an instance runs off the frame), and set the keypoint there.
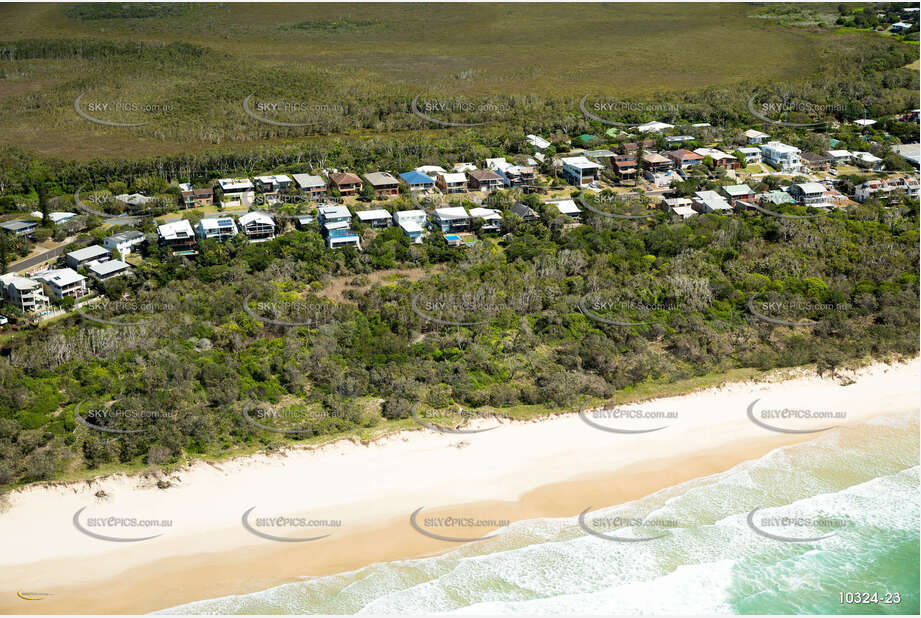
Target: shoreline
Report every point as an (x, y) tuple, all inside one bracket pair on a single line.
[(553, 467)]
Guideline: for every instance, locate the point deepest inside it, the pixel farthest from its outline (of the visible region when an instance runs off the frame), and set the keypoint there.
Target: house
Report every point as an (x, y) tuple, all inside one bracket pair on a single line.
[(865, 122), (237, 191), (196, 198), (808, 193), (655, 162), (460, 168), (431, 170), (632, 147), (273, 184), (839, 157), (383, 183), (900, 26), (345, 183), (675, 140), (19, 227), (412, 223), (886, 187), (538, 142), (492, 220), (868, 161), (654, 127), (625, 167), (580, 171), (512, 175), (417, 181), (451, 219), (124, 242), (776, 198), (710, 201), (684, 159), (63, 282), (377, 218), (751, 154), (754, 136), (56, 217), (336, 224), (134, 200), (736, 193), (662, 179), (679, 206), (566, 207), (313, 186), (720, 158), (909, 152), (25, 294), (814, 161), (452, 182), (782, 156), (524, 211), (603, 156), (257, 226), (177, 236), (221, 228), (302, 221), (108, 269), (77, 258), (484, 180)]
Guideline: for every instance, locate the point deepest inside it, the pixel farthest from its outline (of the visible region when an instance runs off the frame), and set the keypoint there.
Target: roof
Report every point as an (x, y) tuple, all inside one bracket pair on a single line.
[(234, 184), (308, 181), (256, 217), (654, 157), (381, 178), (755, 134), (581, 163), (679, 138), (452, 177), (126, 236), (654, 126), (453, 212), (344, 178), (175, 229), (430, 169), (485, 213), (88, 253), (683, 154), (218, 223), (20, 283), (410, 226), (713, 153), (334, 212), (401, 215), (866, 157), (684, 211), (134, 198), (108, 267), (811, 187), (838, 153), (523, 210), (749, 150), (372, 215), (813, 156), (566, 207), (865, 122), (537, 141), (777, 197), (18, 224), (273, 179), (780, 147), (61, 277), (197, 192), (484, 175), (713, 199), (416, 178), (600, 154), (337, 225), (912, 152), (735, 190), (677, 201)]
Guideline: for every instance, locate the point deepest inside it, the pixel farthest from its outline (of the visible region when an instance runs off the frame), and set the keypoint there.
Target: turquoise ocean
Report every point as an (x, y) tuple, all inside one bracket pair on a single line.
[(711, 561)]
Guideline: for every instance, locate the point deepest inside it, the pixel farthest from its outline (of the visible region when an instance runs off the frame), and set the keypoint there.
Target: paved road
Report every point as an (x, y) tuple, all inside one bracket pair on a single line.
[(28, 263)]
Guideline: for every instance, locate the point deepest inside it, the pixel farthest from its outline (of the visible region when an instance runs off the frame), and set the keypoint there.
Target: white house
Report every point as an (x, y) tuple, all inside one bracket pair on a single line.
[(492, 220), (56, 217), (782, 156), (377, 218), (538, 142), (75, 259), (680, 206), (809, 193), (412, 223), (754, 136), (25, 294), (451, 219), (711, 201), (216, 228), (63, 282), (108, 269), (258, 226), (566, 207), (654, 127), (123, 242), (431, 170), (273, 184), (177, 235), (237, 191), (839, 156), (580, 171), (752, 155), (867, 160)]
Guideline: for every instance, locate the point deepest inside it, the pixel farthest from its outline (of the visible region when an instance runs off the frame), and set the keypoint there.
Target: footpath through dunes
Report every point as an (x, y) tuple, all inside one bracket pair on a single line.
[(556, 467)]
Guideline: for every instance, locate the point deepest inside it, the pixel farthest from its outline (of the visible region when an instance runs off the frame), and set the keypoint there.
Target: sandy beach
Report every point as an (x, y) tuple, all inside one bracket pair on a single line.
[(555, 467)]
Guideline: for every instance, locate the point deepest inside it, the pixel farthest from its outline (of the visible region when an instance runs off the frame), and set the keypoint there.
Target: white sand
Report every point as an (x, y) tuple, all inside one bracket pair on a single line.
[(393, 477)]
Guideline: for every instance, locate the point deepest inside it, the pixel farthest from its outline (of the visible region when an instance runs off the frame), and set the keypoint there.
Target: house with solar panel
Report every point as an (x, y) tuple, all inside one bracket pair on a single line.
[(219, 228)]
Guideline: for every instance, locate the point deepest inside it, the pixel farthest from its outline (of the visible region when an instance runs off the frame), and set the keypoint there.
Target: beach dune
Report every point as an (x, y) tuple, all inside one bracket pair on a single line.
[(242, 525)]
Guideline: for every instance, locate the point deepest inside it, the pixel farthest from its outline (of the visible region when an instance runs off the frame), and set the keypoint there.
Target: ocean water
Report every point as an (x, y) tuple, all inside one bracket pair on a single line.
[(710, 562)]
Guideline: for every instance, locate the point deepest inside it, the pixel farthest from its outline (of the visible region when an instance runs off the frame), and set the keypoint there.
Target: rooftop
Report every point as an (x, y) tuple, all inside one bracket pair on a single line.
[(88, 253)]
